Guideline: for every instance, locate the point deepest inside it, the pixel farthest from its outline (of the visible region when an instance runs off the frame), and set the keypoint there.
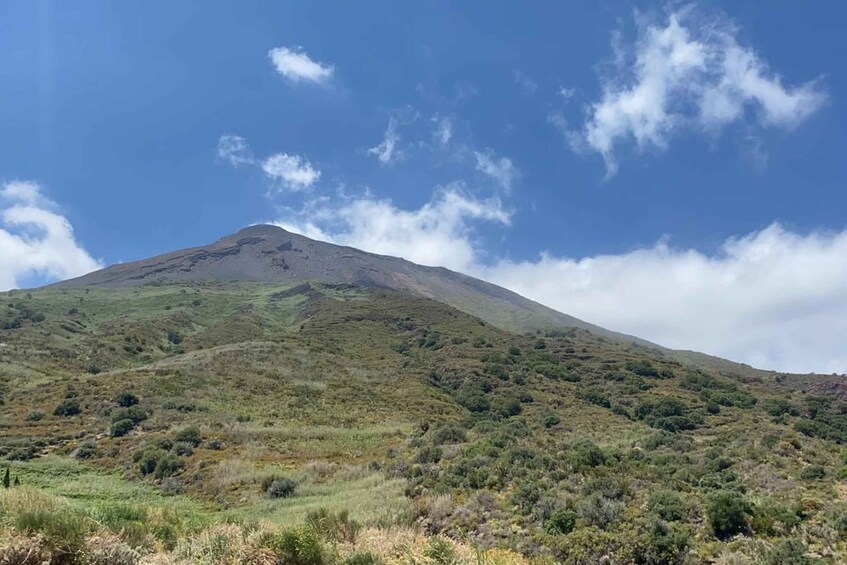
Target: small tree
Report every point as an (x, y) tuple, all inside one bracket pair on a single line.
[(7, 479)]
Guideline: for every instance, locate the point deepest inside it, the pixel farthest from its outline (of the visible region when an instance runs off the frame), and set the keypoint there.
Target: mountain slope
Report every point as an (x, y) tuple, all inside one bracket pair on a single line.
[(266, 253), (145, 405)]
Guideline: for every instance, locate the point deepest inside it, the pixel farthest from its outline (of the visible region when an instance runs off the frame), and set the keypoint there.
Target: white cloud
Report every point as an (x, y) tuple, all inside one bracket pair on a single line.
[(500, 169), (234, 149), (439, 233), (293, 171), (295, 65), (773, 298), (443, 130), (566, 93), (385, 151), (688, 74), (525, 81), (35, 240)]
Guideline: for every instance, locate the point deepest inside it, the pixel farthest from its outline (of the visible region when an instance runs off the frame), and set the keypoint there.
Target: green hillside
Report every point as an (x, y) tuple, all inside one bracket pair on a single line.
[(327, 423)]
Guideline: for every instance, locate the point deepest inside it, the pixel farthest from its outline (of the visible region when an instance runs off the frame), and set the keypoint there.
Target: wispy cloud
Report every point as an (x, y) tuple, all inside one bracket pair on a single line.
[(526, 83), (293, 171), (296, 65), (443, 130), (289, 171), (567, 93), (388, 151), (688, 73), (235, 150), (501, 169), (35, 239)]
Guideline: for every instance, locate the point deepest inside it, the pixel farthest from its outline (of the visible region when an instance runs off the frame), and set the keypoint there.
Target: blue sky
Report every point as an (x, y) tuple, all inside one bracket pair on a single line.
[(670, 170)]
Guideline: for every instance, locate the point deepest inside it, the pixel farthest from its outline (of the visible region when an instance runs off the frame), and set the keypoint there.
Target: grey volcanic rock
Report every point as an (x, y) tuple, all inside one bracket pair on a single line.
[(267, 253)]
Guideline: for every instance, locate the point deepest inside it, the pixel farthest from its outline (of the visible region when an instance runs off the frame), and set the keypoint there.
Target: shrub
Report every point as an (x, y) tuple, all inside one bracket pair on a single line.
[(190, 435), (526, 496), (34, 416), (449, 433), (87, 450), (282, 487), (664, 544), (813, 473), (667, 505), (159, 463), (726, 511), (126, 399), (440, 551), (121, 428), (586, 454), (429, 454), (561, 522), (333, 527), (770, 519), (506, 406), (134, 414), (600, 511), (789, 552), (68, 407), (551, 420), (183, 448), (298, 546), (595, 397), (168, 465), (643, 368)]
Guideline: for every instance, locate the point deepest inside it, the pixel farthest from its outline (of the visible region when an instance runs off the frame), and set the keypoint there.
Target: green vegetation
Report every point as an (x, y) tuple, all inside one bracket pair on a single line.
[(252, 423)]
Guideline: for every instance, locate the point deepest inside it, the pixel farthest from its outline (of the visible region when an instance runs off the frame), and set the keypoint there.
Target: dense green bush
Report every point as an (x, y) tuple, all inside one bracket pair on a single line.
[(86, 450), (126, 399), (449, 433), (68, 407), (428, 454), (667, 505), (506, 406), (191, 435), (159, 463), (594, 396), (668, 414), (813, 473), (551, 420), (134, 414), (278, 487), (561, 522), (643, 368), (586, 454), (726, 511), (121, 427)]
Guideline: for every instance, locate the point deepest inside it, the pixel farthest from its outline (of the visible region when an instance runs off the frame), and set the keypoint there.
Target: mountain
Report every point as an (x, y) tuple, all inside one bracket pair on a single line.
[(267, 253), (271, 399)]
